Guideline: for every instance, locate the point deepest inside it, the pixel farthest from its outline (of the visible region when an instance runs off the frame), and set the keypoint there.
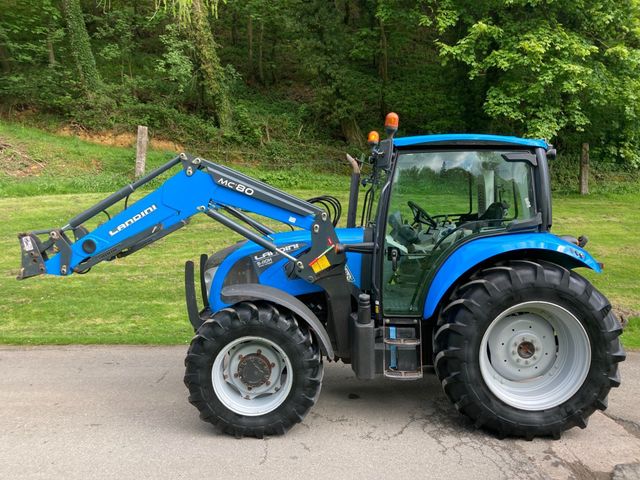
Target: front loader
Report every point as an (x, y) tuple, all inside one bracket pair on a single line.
[(451, 265)]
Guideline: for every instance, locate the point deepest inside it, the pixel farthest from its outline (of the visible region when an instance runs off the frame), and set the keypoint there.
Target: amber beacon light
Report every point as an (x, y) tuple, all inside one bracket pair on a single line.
[(373, 138), (391, 123)]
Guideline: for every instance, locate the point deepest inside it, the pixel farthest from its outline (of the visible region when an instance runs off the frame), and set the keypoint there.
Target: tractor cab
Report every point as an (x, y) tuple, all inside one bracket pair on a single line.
[(436, 193), (447, 207)]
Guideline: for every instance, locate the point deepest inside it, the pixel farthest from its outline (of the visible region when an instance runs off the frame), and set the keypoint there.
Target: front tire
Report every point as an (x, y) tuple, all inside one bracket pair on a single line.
[(528, 349), (252, 370)]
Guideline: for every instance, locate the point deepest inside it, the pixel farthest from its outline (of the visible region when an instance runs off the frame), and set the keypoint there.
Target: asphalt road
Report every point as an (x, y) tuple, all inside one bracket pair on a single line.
[(122, 412)]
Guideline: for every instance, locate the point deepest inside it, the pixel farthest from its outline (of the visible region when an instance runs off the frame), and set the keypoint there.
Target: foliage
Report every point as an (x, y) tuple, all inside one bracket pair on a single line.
[(556, 69), (560, 69), (80, 46), (183, 9), (175, 64)]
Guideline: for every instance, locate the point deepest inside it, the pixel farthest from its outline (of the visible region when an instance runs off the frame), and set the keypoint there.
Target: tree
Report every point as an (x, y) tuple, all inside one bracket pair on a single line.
[(34, 70), (193, 14), (81, 47), (551, 69)]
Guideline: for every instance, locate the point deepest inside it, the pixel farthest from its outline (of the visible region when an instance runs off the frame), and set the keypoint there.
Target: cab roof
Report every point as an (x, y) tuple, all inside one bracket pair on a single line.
[(468, 139)]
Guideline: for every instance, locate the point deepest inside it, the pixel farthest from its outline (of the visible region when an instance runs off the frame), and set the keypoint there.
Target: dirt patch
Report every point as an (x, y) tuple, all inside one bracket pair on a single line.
[(114, 139), (16, 163), (162, 144), (625, 314)]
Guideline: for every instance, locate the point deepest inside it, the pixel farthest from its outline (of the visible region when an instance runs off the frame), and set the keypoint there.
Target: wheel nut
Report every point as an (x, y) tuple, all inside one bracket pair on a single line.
[(249, 388), (258, 352), (268, 383), (273, 365), (235, 375)]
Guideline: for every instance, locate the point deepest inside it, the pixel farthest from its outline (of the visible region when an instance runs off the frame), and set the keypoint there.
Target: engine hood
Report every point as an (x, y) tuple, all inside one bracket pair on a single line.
[(247, 262)]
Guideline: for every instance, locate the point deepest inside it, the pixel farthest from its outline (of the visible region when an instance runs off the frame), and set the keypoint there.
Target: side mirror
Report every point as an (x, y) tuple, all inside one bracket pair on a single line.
[(384, 154), (551, 154)]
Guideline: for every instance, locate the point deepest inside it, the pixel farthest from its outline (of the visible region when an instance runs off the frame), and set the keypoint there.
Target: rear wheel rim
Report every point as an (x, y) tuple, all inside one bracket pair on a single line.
[(535, 356), (252, 376)]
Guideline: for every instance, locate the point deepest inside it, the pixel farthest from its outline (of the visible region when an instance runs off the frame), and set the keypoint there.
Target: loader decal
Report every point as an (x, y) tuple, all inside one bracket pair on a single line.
[(132, 220), (27, 244), (235, 186), (264, 259)]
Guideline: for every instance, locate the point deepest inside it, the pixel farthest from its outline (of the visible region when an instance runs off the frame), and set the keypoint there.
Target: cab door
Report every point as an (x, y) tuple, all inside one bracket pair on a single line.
[(439, 199)]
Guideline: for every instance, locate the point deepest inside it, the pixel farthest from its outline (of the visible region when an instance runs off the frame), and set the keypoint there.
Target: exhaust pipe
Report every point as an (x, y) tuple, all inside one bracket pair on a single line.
[(354, 190)]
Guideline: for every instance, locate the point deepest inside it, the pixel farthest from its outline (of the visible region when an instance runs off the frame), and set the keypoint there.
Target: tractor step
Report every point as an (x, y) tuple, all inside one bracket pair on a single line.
[(402, 349), (400, 321), (402, 341), (403, 374)]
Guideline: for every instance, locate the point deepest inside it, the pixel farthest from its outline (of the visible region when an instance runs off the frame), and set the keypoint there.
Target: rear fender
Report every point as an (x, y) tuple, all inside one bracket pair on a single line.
[(475, 252)]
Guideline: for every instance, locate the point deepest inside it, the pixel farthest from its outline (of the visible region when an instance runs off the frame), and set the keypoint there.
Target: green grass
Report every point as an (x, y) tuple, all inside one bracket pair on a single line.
[(140, 299), (610, 223), (36, 162)]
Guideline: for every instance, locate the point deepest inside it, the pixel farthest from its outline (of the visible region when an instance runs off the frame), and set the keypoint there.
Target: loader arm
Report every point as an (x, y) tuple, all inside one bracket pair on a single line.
[(200, 186)]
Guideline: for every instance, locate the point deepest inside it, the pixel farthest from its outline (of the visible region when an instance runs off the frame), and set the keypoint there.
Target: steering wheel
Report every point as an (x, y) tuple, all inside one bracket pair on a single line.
[(420, 215)]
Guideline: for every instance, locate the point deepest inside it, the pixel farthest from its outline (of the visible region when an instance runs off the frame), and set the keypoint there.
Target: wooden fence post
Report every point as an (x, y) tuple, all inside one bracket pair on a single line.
[(141, 150), (584, 170)]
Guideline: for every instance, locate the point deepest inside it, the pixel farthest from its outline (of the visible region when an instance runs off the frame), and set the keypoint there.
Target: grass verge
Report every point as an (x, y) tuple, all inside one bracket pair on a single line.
[(140, 299)]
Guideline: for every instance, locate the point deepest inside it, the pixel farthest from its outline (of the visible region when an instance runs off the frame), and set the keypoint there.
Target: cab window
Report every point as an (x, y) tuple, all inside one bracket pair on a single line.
[(440, 198)]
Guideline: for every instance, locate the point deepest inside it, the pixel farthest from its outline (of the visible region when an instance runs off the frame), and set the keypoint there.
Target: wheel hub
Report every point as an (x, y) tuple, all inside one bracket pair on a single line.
[(535, 355), (522, 347), (252, 376), (254, 369), (526, 349)]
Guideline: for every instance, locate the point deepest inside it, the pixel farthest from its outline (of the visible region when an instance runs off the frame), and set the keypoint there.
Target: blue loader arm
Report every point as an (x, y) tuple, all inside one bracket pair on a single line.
[(200, 186)]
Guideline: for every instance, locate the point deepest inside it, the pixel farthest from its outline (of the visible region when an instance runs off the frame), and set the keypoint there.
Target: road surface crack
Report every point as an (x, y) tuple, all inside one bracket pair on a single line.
[(629, 425), (265, 455), (162, 376)]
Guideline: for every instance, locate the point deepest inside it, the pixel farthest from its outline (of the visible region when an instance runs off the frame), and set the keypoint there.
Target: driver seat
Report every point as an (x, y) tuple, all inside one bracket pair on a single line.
[(403, 232), (495, 213)]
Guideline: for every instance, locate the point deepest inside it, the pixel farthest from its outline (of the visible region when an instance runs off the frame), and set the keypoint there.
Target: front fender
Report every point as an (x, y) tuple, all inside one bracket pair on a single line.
[(253, 291), (474, 252)]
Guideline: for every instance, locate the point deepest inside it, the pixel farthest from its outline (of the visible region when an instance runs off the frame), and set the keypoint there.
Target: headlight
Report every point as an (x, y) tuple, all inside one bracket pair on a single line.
[(208, 277)]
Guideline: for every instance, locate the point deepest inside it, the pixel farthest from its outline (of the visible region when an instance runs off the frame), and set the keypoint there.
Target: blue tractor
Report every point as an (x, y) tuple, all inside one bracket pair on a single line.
[(451, 265)]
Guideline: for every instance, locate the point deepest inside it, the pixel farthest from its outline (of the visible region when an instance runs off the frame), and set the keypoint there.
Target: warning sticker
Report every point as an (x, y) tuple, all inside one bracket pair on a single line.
[(320, 264), (27, 244)]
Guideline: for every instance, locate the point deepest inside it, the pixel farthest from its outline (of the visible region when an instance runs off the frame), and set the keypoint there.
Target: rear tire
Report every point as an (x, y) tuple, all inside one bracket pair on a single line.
[(528, 349), (252, 370)]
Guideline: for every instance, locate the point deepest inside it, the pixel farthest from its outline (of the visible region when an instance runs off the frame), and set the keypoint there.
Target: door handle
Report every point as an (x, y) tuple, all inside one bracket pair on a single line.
[(393, 255)]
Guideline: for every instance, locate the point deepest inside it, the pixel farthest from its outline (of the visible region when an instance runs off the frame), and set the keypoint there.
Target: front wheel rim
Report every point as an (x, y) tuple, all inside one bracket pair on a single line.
[(535, 355), (252, 376)]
